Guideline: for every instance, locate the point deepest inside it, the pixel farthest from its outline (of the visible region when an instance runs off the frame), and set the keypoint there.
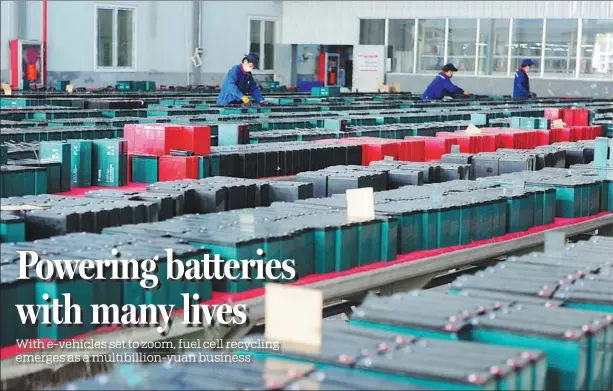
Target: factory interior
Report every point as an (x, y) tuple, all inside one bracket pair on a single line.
[(306, 195)]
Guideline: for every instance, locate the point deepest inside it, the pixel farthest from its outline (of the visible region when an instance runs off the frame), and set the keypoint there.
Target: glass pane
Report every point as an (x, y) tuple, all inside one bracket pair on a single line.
[(125, 38), (493, 46), (560, 47), (105, 37), (254, 44), (431, 44), (527, 43), (597, 49), (269, 46), (372, 31), (461, 50), (400, 39)]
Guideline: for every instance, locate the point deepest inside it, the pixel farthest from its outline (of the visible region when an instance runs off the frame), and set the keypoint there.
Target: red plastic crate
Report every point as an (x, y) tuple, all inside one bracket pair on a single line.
[(376, 151), (543, 137), (192, 138), (155, 139), (575, 117), (172, 168), (564, 135), (412, 150), (438, 146), (128, 135)]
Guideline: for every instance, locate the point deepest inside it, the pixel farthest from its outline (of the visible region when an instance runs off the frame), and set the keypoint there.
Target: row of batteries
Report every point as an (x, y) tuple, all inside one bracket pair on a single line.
[(542, 321), (164, 200)]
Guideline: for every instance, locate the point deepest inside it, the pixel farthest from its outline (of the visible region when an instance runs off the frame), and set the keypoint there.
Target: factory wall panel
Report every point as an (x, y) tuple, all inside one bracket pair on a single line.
[(336, 22), (226, 33), (162, 43), (5, 33), (504, 86)]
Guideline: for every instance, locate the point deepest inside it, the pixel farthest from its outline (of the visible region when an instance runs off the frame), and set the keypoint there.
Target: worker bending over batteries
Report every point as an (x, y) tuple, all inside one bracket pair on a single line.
[(239, 84), (521, 85), (442, 86)]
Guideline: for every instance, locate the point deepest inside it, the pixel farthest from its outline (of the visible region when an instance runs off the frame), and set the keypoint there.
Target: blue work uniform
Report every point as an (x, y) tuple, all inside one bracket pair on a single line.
[(439, 87), (237, 84), (521, 85)]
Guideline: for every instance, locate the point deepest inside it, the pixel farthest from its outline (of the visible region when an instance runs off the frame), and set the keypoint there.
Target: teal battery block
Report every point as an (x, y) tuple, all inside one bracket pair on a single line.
[(369, 245), (12, 228), (325, 249), (61, 152), (81, 293), (346, 247), (228, 134), (448, 227), (389, 238), (520, 212), (304, 248), (109, 162), (144, 169), (3, 154), (81, 163), (15, 292), (236, 249)]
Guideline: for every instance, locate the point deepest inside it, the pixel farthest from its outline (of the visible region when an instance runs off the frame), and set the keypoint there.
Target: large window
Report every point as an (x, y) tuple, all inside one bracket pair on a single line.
[(560, 47), (493, 46), (461, 49), (400, 40), (262, 42), (527, 42), (431, 44), (372, 31), (597, 49), (115, 37)]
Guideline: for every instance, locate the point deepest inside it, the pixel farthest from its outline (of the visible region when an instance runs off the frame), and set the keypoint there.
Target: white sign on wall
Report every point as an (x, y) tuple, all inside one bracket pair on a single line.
[(368, 62)]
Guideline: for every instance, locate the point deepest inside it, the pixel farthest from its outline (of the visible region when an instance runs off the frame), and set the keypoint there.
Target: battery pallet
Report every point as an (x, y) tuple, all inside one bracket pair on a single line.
[(427, 363), (269, 374)]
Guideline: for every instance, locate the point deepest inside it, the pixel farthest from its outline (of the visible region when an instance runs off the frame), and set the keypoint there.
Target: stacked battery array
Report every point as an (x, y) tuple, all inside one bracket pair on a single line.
[(540, 321)]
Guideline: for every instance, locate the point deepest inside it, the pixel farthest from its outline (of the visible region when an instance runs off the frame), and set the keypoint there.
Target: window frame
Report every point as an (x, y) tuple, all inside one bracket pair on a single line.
[(509, 74), (261, 60), (115, 9), (385, 31)]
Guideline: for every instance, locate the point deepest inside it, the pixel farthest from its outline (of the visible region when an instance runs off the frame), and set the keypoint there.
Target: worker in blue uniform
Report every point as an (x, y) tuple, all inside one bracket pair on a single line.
[(239, 85), (521, 85), (442, 86)]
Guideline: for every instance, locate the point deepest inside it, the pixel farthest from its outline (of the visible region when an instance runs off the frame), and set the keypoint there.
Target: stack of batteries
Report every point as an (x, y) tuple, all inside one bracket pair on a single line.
[(395, 355), (45, 133), (576, 342), (12, 228), (577, 195), (277, 159), (208, 370), (51, 215), (218, 194), (98, 248)]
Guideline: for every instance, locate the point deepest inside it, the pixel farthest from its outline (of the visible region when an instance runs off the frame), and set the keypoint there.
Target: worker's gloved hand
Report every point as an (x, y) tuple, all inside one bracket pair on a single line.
[(532, 95), (245, 99), (466, 93)]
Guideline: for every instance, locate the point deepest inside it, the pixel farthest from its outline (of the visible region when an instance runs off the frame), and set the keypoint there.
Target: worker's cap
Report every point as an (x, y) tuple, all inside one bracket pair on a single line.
[(252, 58), (527, 62), (450, 67)]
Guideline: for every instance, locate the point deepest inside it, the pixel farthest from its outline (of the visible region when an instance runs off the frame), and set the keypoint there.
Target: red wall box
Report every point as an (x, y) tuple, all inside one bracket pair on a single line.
[(173, 168)]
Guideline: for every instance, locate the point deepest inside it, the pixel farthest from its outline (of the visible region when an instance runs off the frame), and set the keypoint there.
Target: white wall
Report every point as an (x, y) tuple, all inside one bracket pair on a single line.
[(337, 22), (163, 38), (226, 30)]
